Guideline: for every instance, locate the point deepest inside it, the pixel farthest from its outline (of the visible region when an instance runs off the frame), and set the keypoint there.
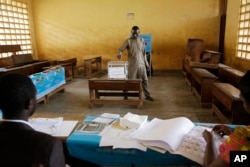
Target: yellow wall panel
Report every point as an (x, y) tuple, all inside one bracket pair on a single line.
[(86, 28)]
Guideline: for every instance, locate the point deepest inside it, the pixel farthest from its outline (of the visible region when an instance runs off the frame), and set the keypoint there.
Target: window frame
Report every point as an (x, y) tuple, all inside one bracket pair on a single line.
[(15, 26), (243, 38)]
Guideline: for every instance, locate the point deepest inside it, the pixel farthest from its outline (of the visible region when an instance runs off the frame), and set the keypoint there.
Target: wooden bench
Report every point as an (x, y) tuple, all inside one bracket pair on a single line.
[(23, 64), (188, 65), (230, 75), (201, 80), (115, 88), (210, 57), (226, 102), (93, 66), (227, 105)]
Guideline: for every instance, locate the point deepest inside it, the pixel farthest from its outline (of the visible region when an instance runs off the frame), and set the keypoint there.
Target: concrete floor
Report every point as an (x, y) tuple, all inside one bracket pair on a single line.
[(173, 98)]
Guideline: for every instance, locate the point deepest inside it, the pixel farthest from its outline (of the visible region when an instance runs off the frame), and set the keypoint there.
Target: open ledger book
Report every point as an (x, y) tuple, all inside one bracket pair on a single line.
[(178, 136), (53, 126)]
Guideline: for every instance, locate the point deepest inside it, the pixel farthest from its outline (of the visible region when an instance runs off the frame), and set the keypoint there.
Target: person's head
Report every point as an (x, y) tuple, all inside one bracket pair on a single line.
[(17, 96), (135, 31), (244, 87)]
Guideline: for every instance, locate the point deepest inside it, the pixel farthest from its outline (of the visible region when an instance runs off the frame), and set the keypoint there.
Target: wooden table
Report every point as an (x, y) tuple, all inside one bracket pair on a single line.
[(108, 88), (89, 63)]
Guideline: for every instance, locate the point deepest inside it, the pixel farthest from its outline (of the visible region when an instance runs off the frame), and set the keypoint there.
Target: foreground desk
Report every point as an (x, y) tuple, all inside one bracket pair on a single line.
[(86, 147), (108, 88)]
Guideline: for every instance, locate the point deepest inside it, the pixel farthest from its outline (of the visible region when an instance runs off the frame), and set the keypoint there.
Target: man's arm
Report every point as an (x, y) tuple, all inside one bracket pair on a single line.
[(145, 55), (209, 152), (210, 160), (122, 48)]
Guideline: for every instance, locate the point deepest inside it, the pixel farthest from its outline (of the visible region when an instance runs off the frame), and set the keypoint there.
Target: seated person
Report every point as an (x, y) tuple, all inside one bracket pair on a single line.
[(20, 144), (236, 136)]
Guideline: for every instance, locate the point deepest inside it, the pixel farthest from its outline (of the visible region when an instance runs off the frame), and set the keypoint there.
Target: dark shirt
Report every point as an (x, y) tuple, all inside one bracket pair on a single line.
[(21, 145)]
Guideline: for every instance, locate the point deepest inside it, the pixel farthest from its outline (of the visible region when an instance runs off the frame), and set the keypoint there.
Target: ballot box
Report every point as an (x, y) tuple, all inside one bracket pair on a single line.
[(117, 70)]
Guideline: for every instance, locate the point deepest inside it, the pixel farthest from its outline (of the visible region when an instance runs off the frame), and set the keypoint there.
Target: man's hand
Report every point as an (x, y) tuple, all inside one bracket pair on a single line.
[(119, 56), (207, 136)]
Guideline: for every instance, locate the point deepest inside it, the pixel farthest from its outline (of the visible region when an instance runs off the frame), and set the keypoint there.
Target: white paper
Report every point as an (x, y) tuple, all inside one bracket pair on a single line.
[(66, 128), (133, 120), (47, 125), (53, 126), (106, 118), (125, 142), (118, 138), (116, 72), (103, 120), (193, 145), (156, 132), (110, 115)]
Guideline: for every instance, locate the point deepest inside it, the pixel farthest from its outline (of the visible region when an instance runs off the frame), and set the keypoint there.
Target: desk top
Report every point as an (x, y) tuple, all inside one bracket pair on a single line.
[(86, 147), (114, 80), (111, 84)]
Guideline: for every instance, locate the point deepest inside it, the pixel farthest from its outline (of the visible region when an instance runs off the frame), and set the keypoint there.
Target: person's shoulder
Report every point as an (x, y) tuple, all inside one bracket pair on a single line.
[(141, 39), (43, 137)]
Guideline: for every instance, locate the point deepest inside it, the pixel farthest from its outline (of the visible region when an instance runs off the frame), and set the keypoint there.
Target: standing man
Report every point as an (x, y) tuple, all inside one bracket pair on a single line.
[(137, 59)]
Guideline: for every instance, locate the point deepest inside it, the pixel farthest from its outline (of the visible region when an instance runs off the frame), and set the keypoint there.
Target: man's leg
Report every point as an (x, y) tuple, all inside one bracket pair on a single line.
[(144, 77)]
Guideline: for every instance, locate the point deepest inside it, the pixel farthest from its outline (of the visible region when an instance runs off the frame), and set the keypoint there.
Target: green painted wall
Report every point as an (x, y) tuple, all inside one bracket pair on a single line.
[(87, 28)]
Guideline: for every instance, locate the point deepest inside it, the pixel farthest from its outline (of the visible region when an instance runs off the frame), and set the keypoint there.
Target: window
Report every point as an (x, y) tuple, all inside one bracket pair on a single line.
[(243, 46), (14, 26)]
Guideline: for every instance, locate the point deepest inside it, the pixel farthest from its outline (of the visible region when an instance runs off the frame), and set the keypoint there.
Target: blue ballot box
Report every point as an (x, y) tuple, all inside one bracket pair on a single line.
[(148, 42), (85, 146)]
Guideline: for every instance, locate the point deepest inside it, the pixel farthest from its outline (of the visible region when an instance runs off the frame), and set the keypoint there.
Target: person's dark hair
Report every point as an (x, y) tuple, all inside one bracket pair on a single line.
[(244, 86), (16, 90), (135, 28)]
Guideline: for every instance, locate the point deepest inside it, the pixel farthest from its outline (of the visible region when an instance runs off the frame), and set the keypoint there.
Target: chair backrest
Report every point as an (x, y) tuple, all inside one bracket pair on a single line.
[(22, 59)]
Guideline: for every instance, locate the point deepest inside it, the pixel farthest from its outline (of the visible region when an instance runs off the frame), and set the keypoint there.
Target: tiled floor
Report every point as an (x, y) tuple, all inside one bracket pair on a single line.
[(173, 98)]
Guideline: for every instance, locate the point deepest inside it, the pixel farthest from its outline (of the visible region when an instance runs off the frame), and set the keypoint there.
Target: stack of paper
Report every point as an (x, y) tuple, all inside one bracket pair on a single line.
[(133, 120)]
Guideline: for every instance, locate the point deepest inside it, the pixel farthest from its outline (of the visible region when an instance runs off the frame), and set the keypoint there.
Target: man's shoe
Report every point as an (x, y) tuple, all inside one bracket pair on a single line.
[(149, 98)]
